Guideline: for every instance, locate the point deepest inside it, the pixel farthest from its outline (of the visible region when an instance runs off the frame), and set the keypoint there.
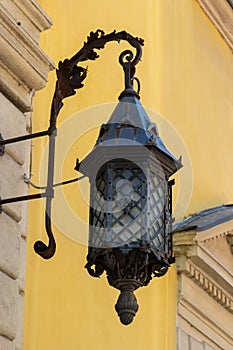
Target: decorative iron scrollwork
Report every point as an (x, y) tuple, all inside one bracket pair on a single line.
[(127, 270), (123, 263), (70, 77)]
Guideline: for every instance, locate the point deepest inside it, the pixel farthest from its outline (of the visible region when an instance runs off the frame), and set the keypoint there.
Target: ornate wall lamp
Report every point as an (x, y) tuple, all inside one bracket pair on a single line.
[(128, 169)]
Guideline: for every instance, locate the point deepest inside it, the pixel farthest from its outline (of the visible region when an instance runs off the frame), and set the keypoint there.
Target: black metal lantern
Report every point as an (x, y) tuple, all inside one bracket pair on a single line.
[(129, 170), (130, 201)]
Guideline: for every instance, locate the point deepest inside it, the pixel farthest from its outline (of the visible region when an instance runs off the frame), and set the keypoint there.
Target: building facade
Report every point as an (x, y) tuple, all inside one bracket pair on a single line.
[(202, 244), (186, 76)]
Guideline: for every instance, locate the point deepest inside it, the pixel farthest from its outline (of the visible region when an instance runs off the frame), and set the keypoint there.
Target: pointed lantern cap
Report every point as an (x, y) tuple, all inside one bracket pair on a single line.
[(129, 126)]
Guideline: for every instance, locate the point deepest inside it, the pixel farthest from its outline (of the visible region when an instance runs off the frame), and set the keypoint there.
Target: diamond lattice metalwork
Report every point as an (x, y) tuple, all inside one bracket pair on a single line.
[(117, 203), (157, 204), (124, 213)]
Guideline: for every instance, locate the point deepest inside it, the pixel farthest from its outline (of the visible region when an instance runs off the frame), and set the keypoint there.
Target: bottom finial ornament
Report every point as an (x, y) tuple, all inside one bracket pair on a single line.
[(127, 269), (127, 305)]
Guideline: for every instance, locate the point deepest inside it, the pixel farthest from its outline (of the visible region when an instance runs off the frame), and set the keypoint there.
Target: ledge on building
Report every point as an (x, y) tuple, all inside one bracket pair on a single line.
[(202, 245), (220, 12)]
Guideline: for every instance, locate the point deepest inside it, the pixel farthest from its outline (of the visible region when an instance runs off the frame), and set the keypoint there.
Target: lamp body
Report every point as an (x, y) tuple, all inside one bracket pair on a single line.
[(130, 217), (130, 204)]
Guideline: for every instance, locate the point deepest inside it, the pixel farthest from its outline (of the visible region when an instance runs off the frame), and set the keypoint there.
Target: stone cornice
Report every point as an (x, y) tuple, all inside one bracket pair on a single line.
[(210, 286), (14, 89), (230, 240), (215, 232), (220, 13), (24, 66), (35, 14), (198, 263), (28, 15), (18, 48), (202, 321)]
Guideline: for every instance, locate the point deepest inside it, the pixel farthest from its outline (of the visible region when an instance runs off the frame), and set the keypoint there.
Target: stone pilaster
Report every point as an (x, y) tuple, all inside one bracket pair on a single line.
[(23, 69)]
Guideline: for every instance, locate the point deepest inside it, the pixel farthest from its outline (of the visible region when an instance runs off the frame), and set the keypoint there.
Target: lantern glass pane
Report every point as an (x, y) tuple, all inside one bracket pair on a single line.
[(120, 192), (158, 212), (129, 208)]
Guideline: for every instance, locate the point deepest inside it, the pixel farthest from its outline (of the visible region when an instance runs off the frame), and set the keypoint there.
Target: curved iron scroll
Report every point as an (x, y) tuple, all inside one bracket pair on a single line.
[(69, 78)]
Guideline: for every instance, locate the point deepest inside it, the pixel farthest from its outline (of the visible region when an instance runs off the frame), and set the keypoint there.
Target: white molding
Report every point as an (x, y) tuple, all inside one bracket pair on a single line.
[(230, 240), (220, 13), (207, 261), (15, 90), (35, 14), (201, 317), (205, 288), (191, 253), (28, 15), (210, 286), (199, 324), (216, 231), (24, 66), (22, 55)]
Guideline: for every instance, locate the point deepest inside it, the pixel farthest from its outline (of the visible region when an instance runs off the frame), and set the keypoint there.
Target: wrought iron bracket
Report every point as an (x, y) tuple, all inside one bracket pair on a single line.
[(20, 138), (69, 78), (2, 146), (20, 199), (36, 195), (44, 251)]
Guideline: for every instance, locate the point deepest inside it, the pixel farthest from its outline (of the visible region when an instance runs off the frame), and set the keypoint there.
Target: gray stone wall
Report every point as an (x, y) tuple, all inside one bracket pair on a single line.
[(13, 225), (23, 69)]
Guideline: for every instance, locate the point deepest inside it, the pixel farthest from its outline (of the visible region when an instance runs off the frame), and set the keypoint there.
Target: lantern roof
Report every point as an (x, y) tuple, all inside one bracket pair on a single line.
[(129, 123), (129, 129)]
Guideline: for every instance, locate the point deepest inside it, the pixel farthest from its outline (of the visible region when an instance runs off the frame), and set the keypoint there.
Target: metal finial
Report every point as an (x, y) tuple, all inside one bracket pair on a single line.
[(128, 62)]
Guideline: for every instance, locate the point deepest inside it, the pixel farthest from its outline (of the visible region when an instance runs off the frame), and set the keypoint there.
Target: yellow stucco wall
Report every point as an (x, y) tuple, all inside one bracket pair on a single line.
[(185, 75)]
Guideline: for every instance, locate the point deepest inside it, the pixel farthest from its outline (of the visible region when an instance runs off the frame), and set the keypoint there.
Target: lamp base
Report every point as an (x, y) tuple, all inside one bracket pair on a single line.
[(127, 306), (127, 269)]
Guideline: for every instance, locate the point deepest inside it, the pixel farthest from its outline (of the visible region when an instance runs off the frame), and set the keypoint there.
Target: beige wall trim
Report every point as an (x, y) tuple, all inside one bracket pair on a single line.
[(200, 264), (28, 15), (24, 66), (15, 90), (215, 232), (199, 323), (220, 13), (210, 286), (34, 13), (204, 266), (23, 55), (230, 241)]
